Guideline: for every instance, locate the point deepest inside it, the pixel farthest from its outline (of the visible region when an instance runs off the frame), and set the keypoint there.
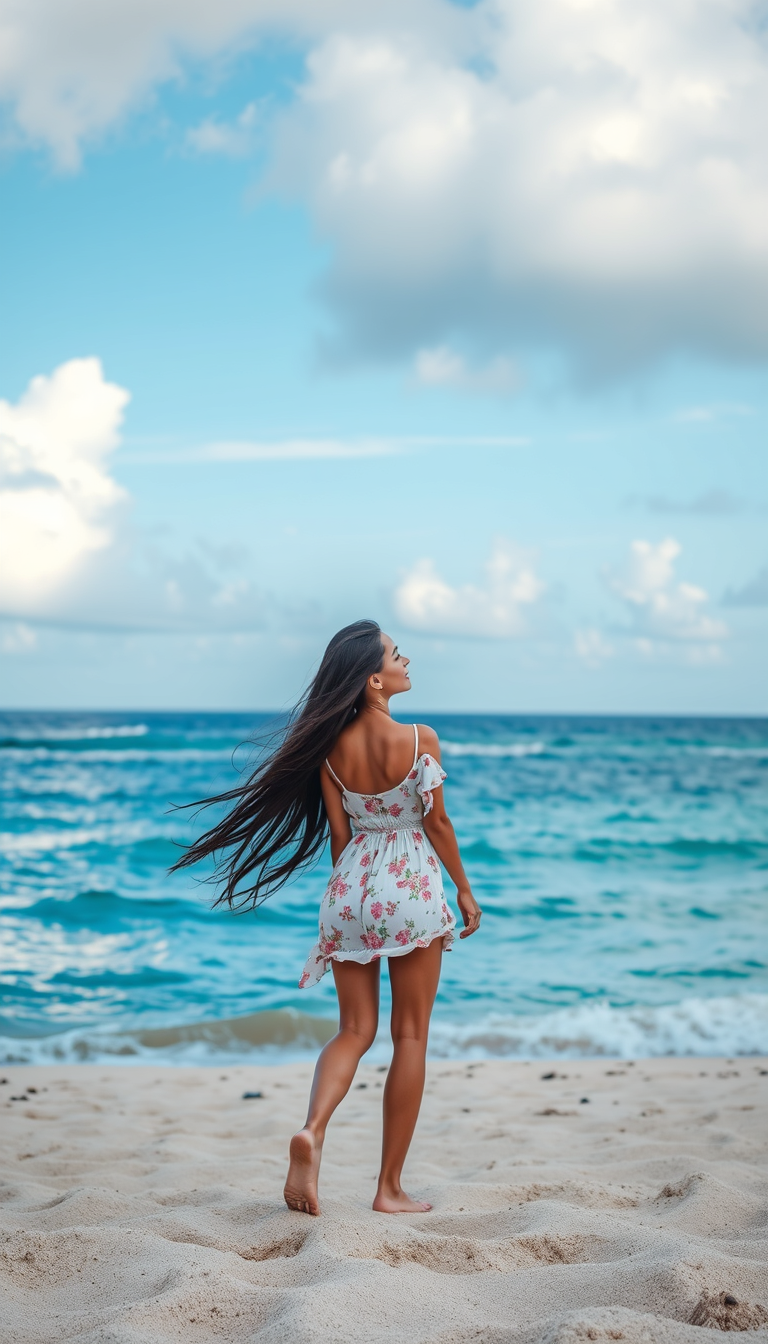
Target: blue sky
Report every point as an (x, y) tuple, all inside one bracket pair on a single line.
[(452, 317)]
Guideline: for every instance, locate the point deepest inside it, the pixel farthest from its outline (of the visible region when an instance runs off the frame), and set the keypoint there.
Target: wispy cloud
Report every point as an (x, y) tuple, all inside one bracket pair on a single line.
[(591, 647), (289, 450), (715, 503), (443, 367), (704, 415), (754, 593), (233, 139)]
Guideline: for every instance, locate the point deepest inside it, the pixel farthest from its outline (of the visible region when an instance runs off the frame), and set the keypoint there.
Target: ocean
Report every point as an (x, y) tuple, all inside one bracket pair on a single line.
[(621, 864)]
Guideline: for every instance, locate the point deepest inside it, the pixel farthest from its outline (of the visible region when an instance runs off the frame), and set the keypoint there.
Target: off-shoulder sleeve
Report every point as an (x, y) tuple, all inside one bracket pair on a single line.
[(431, 776)]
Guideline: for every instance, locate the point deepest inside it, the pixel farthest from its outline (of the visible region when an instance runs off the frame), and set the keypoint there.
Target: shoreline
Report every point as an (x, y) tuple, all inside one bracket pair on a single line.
[(611, 1200)]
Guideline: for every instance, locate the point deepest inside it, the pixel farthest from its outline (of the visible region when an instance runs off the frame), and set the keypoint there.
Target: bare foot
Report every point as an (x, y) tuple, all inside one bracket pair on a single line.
[(399, 1203), (300, 1191)]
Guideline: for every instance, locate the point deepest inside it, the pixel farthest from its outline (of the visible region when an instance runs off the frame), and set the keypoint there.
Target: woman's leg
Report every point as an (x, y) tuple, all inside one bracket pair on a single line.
[(414, 980), (358, 990)]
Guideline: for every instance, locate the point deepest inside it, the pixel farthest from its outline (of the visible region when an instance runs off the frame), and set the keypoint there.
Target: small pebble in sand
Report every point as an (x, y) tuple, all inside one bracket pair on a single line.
[(251, 1096), (545, 1077), (584, 1101)]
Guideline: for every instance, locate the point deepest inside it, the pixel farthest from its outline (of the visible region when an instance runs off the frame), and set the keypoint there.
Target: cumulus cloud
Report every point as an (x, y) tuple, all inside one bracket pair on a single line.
[(494, 609), (754, 593), (57, 499), (67, 551), (660, 606), (72, 69), (589, 177)]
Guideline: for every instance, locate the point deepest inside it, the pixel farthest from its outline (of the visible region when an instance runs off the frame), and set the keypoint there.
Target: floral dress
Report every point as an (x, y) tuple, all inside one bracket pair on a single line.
[(385, 896)]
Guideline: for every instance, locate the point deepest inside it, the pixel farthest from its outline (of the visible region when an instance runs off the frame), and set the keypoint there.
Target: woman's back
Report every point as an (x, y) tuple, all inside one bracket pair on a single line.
[(374, 753)]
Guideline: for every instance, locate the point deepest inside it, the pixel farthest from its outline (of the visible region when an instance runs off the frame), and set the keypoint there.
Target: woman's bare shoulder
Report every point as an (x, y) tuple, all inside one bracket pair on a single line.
[(428, 739)]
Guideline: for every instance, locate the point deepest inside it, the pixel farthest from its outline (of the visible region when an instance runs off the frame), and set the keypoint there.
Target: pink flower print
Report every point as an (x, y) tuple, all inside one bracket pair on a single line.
[(395, 810), (372, 804), (396, 866), (392, 907), (360, 839), (332, 944), (422, 942), (346, 913), (427, 760), (365, 859), (390, 836), (402, 937), (432, 862), (413, 775), (303, 979), (377, 909), (338, 889), (372, 940), (418, 837)]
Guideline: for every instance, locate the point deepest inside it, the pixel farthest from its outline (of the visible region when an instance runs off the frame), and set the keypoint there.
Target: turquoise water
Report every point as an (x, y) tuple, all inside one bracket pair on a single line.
[(621, 864)]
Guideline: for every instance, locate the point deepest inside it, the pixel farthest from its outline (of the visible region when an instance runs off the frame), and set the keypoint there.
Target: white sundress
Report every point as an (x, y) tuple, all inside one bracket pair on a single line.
[(385, 895)]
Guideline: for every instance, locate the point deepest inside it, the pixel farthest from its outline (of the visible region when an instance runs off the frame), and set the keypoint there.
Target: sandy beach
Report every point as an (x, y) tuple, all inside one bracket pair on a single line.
[(595, 1200)]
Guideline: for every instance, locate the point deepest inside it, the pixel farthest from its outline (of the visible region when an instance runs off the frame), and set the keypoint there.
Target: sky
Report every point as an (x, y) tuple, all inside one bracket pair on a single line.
[(453, 316)]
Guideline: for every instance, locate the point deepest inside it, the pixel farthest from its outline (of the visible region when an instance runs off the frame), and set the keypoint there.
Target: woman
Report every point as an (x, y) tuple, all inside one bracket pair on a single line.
[(385, 894)]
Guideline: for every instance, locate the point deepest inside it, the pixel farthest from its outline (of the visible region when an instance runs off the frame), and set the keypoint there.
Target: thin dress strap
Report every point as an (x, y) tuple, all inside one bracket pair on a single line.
[(415, 745), (333, 775)]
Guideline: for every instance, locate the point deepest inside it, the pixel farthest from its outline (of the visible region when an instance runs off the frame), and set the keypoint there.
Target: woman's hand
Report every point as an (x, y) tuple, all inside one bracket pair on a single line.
[(470, 912)]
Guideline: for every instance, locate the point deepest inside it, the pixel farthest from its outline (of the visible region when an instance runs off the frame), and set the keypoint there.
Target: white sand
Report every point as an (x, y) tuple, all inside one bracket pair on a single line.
[(142, 1205)]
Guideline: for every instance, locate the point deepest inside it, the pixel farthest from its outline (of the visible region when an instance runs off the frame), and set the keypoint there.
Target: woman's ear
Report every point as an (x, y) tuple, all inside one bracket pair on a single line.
[(374, 682)]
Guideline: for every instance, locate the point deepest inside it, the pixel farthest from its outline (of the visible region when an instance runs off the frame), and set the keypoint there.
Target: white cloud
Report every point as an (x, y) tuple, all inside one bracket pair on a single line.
[(660, 606), (57, 499), (443, 367), (592, 647), (67, 551), (290, 450), (18, 638), (702, 415), (754, 593), (71, 69), (232, 139), (424, 601), (586, 176), (715, 503)]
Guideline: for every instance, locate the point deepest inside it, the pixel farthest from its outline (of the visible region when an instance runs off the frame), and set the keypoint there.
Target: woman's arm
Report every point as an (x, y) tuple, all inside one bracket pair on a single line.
[(442, 836), (341, 828)]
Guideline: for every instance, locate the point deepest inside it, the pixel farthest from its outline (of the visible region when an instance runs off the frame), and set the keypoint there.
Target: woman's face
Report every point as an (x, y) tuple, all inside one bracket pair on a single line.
[(394, 671)]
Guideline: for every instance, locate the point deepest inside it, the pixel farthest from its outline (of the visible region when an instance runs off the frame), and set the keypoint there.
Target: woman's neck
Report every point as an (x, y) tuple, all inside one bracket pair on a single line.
[(376, 708)]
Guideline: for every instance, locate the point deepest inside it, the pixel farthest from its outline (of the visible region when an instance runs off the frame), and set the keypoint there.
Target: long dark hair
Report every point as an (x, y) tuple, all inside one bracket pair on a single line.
[(278, 823)]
